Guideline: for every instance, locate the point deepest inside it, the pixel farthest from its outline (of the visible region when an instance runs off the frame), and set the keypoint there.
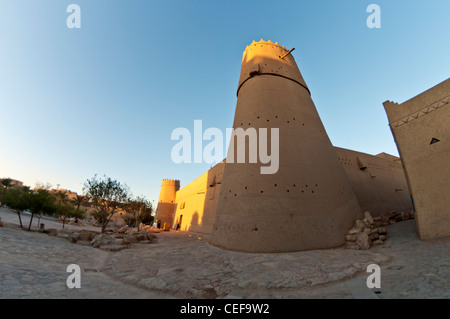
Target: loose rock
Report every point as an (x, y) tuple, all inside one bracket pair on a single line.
[(368, 231), (73, 238), (101, 239), (363, 240), (368, 217), (86, 235)]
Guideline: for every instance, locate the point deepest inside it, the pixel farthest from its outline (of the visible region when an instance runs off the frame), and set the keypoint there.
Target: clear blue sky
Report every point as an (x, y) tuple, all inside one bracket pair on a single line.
[(105, 98)]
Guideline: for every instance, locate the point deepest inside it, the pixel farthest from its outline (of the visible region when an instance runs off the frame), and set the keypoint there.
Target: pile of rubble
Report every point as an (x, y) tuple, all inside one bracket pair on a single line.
[(369, 231), (392, 218), (111, 240)]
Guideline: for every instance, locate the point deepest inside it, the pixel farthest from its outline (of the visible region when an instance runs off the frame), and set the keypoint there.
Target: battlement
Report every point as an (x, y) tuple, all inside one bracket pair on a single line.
[(262, 42), (393, 109), (269, 59), (170, 182)]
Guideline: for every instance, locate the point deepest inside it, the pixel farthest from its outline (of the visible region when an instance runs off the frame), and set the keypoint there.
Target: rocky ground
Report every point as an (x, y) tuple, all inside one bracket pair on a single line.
[(184, 265)]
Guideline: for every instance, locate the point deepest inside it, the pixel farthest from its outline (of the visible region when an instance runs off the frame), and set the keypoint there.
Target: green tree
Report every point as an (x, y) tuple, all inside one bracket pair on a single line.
[(17, 199), (61, 197), (139, 208), (78, 200), (40, 202), (65, 211), (6, 182), (106, 196)]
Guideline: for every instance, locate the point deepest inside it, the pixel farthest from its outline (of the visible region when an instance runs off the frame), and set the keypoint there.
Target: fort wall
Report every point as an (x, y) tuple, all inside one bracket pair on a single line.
[(421, 129)]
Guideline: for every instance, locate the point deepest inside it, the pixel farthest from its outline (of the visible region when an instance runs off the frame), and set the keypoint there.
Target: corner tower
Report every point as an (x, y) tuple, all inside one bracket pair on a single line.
[(308, 203), (166, 202)]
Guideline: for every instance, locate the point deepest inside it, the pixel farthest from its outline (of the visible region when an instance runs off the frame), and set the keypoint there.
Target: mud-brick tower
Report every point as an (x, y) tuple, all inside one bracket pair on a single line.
[(308, 203), (166, 203)]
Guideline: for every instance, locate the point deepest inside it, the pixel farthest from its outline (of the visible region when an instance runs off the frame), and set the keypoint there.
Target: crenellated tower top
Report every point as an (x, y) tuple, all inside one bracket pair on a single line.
[(268, 58), (170, 182)]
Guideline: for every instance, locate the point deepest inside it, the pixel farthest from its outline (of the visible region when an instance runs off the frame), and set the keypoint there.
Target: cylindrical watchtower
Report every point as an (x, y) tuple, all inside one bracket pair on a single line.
[(308, 203), (166, 204)]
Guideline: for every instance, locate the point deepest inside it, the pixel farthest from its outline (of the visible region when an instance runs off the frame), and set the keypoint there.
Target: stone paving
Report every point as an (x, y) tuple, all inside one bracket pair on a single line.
[(33, 265), (184, 265), (190, 267)]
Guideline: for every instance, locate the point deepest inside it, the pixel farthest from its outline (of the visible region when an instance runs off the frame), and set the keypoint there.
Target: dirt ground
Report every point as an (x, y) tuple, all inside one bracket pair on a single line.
[(184, 265)]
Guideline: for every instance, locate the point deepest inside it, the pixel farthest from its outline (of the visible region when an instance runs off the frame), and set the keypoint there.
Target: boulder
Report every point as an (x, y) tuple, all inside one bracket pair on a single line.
[(122, 230), (118, 241), (74, 237), (102, 239), (368, 217), (131, 231), (354, 231), (86, 235), (64, 233), (363, 240), (141, 237), (50, 232), (130, 239), (359, 224), (368, 231), (367, 224)]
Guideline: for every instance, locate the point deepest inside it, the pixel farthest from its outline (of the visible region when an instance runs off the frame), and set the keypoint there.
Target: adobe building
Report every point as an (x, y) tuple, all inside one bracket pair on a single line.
[(196, 203), (308, 203), (167, 201), (16, 183), (378, 182), (316, 194), (421, 129), (70, 195), (13, 182)]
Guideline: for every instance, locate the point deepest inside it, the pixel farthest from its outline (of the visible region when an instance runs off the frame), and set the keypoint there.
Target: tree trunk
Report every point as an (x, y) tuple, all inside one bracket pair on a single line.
[(31, 220), (107, 220), (20, 218)]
